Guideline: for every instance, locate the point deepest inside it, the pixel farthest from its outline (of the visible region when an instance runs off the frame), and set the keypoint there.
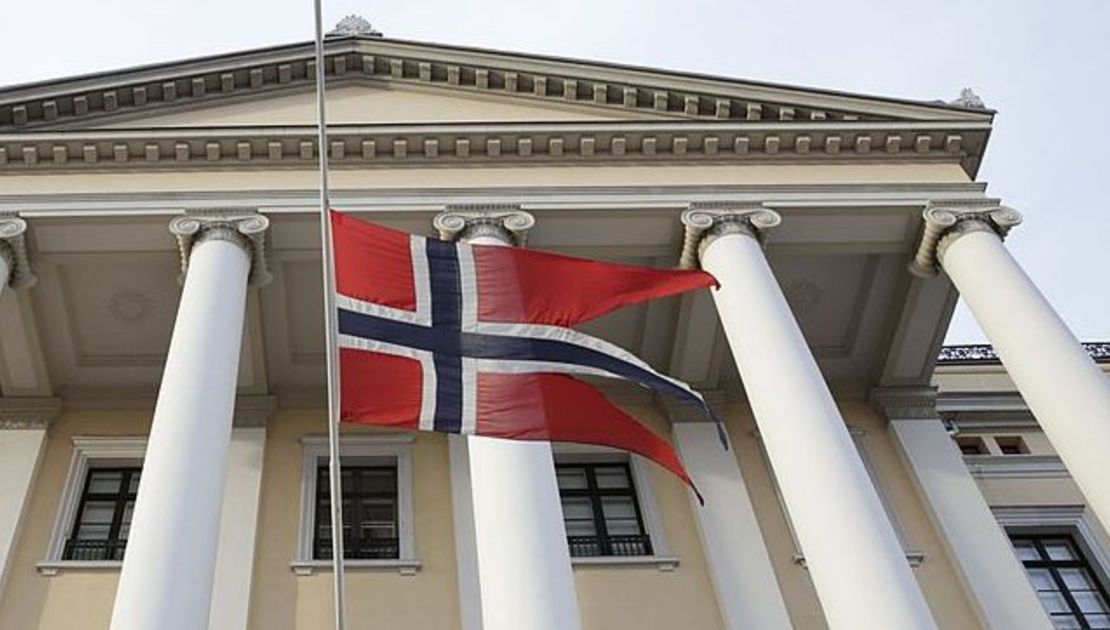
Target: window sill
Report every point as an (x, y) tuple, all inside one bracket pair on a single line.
[(404, 566), (663, 563), (53, 567)]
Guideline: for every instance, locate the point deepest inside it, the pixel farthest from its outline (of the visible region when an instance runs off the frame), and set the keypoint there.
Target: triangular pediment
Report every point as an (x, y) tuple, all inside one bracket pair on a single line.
[(392, 101), (404, 81)]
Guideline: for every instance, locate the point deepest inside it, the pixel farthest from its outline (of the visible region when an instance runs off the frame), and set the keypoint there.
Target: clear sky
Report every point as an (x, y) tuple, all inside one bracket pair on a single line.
[(1045, 66)]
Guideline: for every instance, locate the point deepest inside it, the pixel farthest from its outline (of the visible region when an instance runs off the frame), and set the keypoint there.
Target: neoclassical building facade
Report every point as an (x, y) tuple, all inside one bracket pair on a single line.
[(163, 432)]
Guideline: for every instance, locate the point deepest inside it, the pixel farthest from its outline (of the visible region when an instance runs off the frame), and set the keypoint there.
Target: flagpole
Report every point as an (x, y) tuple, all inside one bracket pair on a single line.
[(331, 324)]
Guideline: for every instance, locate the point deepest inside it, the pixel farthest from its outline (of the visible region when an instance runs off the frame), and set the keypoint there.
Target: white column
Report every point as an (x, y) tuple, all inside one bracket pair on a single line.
[(525, 578), (743, 578), (979, 549), (231, 589), (167, 576), (1063, 387), (20, 452), (857, 564)]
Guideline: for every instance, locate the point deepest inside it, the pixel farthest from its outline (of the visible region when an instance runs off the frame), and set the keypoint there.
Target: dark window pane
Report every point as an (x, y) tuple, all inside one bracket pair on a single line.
[(370, 528)]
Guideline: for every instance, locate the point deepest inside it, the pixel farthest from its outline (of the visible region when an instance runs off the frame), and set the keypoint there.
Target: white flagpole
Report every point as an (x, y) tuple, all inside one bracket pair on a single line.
[(331, 325)]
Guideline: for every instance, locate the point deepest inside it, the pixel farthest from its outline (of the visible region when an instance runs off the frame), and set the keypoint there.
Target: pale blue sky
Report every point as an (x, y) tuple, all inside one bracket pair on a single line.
[(1045, 66)]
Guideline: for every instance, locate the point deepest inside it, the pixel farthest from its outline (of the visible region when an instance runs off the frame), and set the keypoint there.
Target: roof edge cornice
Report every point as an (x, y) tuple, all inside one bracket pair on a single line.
[(629, 88)]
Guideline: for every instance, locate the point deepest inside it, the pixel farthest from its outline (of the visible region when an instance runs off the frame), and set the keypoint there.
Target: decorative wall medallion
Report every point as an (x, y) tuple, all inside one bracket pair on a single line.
[(130, 307)]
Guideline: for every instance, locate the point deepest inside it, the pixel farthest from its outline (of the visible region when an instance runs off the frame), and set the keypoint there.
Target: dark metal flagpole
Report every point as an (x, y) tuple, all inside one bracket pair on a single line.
[(331, 325)]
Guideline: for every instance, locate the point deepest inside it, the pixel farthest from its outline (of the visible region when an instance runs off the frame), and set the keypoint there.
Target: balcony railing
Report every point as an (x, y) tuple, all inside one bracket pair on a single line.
[(86, 550), (593, 546), (367, 549)]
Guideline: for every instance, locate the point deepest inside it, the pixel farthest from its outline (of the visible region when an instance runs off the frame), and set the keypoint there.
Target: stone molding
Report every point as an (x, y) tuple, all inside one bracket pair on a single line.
[(905, 403), (706, 222), (13, 248), (28, 413), (947, 221), (984, 354), (421, 145), (507, 223), (247, 230)]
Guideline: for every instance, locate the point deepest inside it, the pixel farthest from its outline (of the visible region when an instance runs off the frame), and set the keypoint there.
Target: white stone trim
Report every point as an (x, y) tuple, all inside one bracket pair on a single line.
[(392, 448), (1076, 520), (662, 558), (21, 453), (88, 452), (1016, 467)]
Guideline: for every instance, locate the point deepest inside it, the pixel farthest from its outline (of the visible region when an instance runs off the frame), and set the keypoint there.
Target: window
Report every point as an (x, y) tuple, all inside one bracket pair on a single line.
[(378, 530), (1011, 445), (104, 515), (1064, 581), (369, 513), (601, 510), (972, 445)]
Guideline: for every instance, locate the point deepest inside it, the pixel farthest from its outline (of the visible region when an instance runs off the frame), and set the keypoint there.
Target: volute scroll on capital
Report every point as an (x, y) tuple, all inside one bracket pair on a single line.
[(945, 222), (505, 222), (13, 249), (248, 230), (706, 222)]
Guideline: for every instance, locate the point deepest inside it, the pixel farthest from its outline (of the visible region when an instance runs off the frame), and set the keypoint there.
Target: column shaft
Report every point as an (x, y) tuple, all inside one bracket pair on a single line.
[(5, 272), (976, 544), (167, 575), (1064, 389), (743, 578), (524, 571), (858, 568)]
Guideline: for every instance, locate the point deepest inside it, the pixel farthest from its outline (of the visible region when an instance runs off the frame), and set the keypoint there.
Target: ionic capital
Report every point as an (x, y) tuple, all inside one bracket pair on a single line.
[(945, 222), (905, 403), (706, 222), (28, 413), (507, 223), (245, 230), (13, 249)]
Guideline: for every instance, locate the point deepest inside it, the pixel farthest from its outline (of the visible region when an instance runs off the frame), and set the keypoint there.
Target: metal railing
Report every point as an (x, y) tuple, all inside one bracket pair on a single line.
[(367, 549), (76, 549), (594, 546)]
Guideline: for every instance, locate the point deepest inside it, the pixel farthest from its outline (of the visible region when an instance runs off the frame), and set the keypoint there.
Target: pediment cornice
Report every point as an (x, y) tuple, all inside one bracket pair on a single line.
[(420, 145), (656, 94)]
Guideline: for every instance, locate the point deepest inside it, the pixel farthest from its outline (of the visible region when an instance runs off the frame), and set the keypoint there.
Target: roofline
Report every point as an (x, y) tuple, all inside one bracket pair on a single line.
[(335, 42)]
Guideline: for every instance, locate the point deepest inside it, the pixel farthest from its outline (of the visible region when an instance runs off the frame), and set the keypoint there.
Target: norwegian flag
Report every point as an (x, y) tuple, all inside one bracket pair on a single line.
[(473, 339)]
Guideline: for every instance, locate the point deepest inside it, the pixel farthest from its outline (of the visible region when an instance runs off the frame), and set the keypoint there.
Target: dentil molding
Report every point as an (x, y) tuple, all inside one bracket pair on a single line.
[(28, 413)]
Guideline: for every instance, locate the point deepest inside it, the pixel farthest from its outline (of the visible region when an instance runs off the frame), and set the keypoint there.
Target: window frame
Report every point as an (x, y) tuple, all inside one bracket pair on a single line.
[(393, 449), (88, 453), (1074, 521), (1082, 561), (650, 515), (119, 500), (595, 494), (322, 471)]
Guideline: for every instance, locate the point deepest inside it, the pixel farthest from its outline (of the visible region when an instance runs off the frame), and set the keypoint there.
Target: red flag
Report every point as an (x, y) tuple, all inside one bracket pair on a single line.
[(474, 339)]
